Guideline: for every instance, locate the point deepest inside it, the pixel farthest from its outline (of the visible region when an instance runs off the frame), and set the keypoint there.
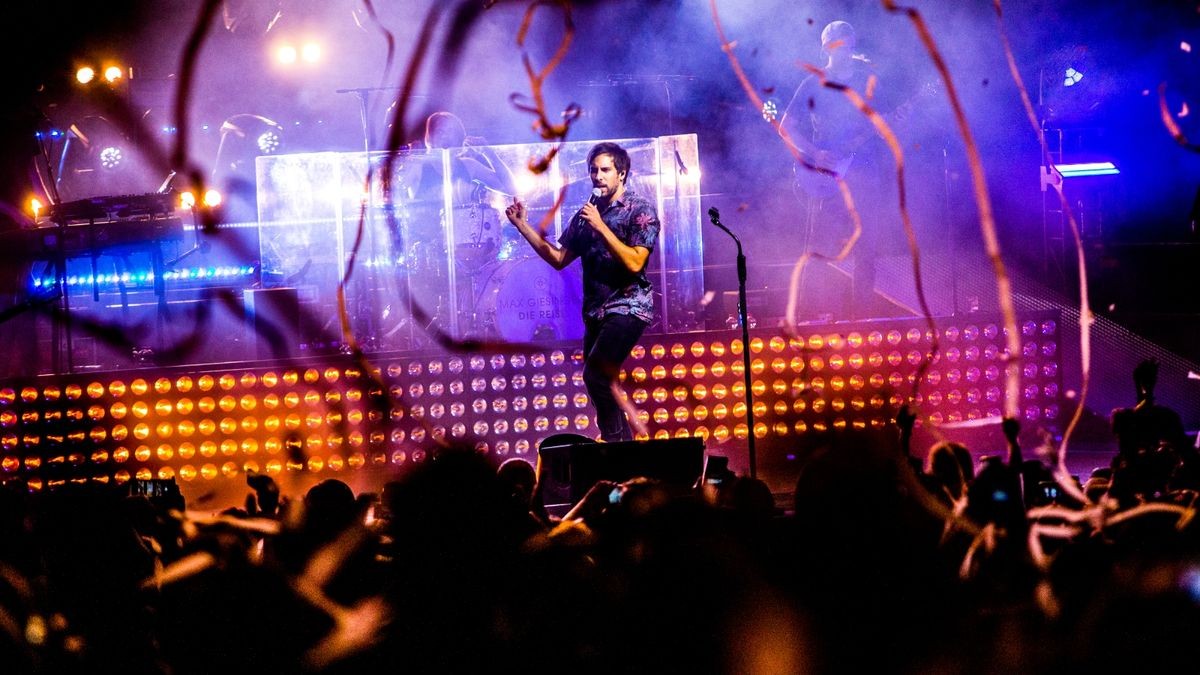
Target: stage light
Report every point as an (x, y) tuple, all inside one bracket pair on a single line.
[(111, 157), (770, 110), (85, 75), (212, 198), (35, 207), (243, 138), (112, 74), (268, 141), (187, 199), (311, 52), (1072, 77), (853, 381), (286, 54), (1086, 169), (525, 182)]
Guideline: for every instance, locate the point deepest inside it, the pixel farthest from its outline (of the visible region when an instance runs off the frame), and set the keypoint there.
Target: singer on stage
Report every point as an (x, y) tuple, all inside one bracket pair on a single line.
[(614, 234)]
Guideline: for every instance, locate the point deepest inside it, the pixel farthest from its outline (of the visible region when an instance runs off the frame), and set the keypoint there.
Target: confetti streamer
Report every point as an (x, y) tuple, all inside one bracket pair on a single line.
[(885, 131), (794, 293), (535, 103), (1086, 319), (983, 202), (1169, 120)]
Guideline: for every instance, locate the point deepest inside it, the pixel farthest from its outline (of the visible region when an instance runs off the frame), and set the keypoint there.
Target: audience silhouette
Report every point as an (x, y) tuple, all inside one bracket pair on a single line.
[(877, 565)]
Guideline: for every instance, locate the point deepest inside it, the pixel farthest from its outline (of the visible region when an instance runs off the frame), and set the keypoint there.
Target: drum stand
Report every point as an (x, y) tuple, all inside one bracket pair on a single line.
[(455, 319)]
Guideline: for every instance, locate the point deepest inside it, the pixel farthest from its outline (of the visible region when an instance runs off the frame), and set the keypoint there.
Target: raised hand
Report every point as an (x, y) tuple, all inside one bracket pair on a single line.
[(516, 212), (1012, 428), (1145, 377)]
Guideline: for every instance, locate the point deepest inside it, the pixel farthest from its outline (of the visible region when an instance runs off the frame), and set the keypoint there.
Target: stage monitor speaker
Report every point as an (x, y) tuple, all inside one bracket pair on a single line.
[(569, 471)]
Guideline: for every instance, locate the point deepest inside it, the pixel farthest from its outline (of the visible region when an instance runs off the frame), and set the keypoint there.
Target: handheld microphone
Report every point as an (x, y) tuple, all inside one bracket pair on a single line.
[(596, 192), (714, 215)]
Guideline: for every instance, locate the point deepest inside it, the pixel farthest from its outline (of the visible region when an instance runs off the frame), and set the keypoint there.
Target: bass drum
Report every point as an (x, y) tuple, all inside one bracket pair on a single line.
[(476, 236), (529, 301)]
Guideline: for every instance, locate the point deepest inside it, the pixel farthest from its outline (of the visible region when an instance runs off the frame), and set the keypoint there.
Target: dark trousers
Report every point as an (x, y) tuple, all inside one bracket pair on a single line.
[(606, 344)]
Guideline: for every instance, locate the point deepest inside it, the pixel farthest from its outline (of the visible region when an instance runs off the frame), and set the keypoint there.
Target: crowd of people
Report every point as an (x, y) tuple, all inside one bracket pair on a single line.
[(881, 563)]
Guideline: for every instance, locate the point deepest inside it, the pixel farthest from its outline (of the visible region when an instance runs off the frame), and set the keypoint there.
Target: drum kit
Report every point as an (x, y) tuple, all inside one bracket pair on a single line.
[(475, 277)]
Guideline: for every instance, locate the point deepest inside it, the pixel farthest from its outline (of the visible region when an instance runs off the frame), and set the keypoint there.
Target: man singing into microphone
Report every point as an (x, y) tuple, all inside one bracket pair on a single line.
[(613, 233)]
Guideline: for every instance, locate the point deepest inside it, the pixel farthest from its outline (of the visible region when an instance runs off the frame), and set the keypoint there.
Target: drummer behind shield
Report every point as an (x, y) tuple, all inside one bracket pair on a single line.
[(614, 234), (473, 162)]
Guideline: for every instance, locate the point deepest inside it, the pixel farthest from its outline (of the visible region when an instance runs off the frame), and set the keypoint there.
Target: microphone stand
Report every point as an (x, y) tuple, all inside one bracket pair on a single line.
[(950, 235), (360, 319), (715, 217)]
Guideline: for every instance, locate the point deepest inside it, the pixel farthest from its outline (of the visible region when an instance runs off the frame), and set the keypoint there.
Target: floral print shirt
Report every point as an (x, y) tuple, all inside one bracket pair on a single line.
[(609, 288)]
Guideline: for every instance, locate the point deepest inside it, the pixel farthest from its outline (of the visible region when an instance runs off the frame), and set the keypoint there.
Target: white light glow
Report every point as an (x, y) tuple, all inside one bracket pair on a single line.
[(110, 157), (525, 182), (311, 52), (770, 110), (268, 142)]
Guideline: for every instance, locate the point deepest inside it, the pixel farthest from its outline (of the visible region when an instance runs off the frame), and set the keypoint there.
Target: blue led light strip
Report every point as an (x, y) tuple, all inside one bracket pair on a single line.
[(147, 276), (1086, 169)]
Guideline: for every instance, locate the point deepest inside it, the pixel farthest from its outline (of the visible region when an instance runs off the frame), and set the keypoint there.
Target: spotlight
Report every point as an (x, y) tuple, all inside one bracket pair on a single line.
[(1072, 77), (111, 157), (212, 198), (286, 55), (112, 74), (35, 207), (525, 182), (85, 75), (97, 160), (244, 137), (770, 110), (187, 199), (311, 52), (268, 141)]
